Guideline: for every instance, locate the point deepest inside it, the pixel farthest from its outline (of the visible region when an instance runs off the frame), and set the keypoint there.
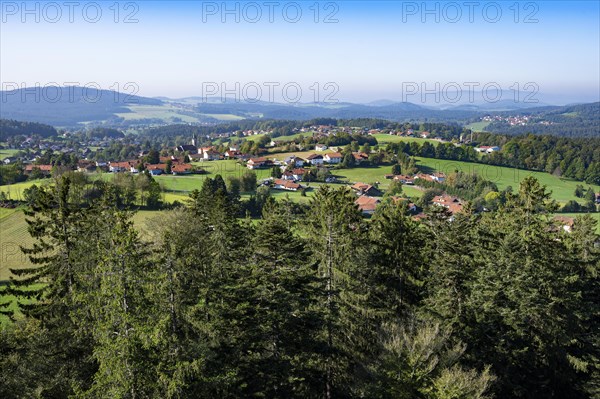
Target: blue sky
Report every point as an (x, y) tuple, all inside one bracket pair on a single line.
[(368, 50)]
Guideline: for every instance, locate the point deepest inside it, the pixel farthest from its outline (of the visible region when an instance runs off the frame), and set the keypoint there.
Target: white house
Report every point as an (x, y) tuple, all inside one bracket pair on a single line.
[(334, 157), (315, 159), (281, 184), (320, 147), (211, 155), (294, 161)]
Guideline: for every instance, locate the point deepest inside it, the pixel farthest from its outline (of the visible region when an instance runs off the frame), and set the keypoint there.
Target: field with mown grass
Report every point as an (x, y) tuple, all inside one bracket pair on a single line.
[(7, 152), (478, 126), (562, 189), (388, 138), (15, 191)]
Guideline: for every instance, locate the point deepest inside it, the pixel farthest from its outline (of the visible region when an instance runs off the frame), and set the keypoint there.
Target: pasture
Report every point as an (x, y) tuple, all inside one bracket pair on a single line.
[(388, 138), (478, 126), (562, 189)]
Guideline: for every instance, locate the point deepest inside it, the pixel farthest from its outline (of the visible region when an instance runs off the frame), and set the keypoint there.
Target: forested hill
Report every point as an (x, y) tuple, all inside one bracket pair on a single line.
[(581, 120), (67, 106), (10, 128)]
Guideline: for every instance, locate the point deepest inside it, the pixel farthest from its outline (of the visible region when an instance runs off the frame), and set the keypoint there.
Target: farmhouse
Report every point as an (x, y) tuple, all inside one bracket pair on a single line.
[(156, 169), (232, 154), (257, 163), (315, 159), (367, 205), (210, 155), (453, 204), (282, 184), (181, 169), (294, 161), (116, 167), (360, 156), (404, 179), (333, 158), (320, 147), (44, 169), (365, 189)]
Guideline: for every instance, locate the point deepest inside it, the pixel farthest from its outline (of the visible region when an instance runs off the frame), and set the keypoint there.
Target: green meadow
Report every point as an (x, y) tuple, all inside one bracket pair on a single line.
[(387, 138)]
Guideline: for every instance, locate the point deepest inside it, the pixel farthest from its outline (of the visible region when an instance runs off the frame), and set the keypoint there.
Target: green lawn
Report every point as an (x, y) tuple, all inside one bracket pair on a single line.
[(15, 191), (167, 113), (7, 153), (478, 126), (387, 138), (13, 233), (562, 189)]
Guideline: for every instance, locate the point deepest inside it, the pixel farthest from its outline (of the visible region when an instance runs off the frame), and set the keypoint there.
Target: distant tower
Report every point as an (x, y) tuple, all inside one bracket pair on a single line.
[(194, 141)]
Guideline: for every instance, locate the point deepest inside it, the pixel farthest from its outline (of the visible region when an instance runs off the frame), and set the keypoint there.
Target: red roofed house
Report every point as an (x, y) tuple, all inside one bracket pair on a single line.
[(44, 169), (365, 189), (315, 159), (333, 158), (156, 169), (404, 179), (367, 205), (181, 169), (281, 184), (360, 156), (116, 167), (453, 204), (423, 176), (256, 163)]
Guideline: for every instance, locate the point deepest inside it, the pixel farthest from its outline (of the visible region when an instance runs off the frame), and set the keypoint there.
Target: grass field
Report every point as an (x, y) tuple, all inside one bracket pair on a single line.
[(167, 113), (387, 138), (15, 191), (7, 153), (477, 126), (13, 233), (562, 189)]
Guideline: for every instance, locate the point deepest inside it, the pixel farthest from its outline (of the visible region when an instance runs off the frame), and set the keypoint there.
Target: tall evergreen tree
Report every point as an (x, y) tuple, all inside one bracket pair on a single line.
[(336, 234)]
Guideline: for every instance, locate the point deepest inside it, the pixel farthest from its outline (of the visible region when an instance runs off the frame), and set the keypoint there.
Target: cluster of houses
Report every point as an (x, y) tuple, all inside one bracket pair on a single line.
[(170, 164), (295, 162), (367, 200)]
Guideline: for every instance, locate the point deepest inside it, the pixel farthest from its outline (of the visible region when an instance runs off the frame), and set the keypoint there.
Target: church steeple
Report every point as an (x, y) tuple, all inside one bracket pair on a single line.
[(194, 141)]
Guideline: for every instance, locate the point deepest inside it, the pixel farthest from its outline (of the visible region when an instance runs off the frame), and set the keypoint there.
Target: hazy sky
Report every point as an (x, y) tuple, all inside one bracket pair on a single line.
[(366, 50)]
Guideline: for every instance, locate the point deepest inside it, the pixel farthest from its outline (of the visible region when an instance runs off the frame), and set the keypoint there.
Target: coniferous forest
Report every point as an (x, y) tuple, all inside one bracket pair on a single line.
[(313, 304)]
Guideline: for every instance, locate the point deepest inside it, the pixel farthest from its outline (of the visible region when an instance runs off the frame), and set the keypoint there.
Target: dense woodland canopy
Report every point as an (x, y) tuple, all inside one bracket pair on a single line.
[(319, 304), (10, 128)]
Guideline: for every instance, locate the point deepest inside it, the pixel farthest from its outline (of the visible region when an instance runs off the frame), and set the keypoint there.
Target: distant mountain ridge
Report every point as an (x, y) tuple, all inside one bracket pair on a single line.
[(78, 106), (67, 106)]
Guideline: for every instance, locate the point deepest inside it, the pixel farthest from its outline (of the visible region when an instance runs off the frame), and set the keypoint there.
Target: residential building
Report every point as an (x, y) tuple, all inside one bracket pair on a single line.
[(315, 159), (333, 158), (367, 205)]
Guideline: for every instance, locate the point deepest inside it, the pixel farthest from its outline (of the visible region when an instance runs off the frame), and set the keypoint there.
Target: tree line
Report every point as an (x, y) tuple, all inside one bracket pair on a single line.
[(205, 304)]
